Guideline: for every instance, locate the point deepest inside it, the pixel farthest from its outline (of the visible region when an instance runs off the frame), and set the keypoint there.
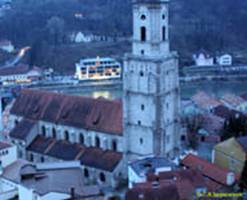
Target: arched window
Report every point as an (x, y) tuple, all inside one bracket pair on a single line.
[(114, 145), (43, 130), (66, 135), (102, 177), (31, 157), (143, 33), (164, 33), (86, 172), (143, 17), (16, 122), (81, 139), (54, 133), (97, 141)]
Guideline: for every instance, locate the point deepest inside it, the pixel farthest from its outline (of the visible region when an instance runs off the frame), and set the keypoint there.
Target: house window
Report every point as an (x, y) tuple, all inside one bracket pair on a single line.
[(81, 139), (163, 16), (42, 159), (97, 142), (141, 73), (141, 140), (143, 33), (54, 133), (86, 172), (66, 135), (142, 52), (164, 33), (43, 130), (142, 107), (114, 145), (102, 177)]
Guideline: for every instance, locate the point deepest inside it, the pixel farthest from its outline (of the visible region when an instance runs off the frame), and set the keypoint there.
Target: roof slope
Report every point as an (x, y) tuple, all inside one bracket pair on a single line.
[(22, 129), (82, 112)]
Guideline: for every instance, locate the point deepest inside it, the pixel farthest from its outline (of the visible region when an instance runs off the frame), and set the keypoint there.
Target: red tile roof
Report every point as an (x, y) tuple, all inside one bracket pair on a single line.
[(180, 185), (210, 170), (100, 115), (88, 156)]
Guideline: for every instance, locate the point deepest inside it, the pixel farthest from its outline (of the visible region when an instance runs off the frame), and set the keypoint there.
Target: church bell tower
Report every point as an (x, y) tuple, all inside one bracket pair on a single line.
[(151, 84)]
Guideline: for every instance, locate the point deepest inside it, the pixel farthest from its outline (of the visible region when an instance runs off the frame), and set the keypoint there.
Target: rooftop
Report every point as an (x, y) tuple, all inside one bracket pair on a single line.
[(210, 170), (99, 115), (106, 160), (150, 165), (4, 145)]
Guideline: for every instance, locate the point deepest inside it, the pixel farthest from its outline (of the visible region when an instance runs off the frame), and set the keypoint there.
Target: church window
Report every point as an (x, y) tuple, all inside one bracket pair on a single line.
[(97, 141), (141, 73), (143, 17), (42, 159), (163, 16), (81, 139), (141, 140), (143, 33), (142, 107), (54, 133), (66, 135), (164, 33), (114, 145), (16, 122), (102, 177), (43, 130), (86, 172)]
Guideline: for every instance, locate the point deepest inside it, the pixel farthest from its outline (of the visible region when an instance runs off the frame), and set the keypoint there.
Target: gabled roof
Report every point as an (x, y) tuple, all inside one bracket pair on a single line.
[(204, 101), (88, 156), (22, 129), (4, 145), (81, 112), (100, 159), (210, 170)]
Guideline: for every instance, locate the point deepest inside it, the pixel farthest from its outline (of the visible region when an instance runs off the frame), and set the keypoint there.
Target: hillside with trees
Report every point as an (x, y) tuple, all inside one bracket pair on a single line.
[(215, 25)]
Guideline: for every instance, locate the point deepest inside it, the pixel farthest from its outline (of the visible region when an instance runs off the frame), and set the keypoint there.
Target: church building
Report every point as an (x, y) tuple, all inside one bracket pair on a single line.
[(105, 135)]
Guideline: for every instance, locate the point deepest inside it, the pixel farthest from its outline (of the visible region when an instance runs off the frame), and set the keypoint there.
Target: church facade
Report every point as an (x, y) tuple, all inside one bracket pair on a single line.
[(105, 135)]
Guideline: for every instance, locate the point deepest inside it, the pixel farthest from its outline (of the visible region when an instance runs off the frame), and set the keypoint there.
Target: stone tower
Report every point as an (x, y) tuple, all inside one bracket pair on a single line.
[(151, 84)]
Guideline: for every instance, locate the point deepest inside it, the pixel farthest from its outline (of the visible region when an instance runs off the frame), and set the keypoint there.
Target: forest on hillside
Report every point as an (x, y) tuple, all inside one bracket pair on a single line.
[(214, 25)]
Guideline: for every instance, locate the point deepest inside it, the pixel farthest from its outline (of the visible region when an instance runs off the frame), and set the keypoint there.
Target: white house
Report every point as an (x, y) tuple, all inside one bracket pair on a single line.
[(139, 169), (6, 46), (224, 60), (45, 181), (203, 59)]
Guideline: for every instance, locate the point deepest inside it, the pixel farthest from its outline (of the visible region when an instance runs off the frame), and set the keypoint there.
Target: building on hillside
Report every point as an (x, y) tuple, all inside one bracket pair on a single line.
[(202, 58), (19, 74), (231, 154), (138, 170), (56, 181), (7, 46), (172, 185), (98, 68), (234, 102), (224, 60), (151, 92), (218, 178)]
